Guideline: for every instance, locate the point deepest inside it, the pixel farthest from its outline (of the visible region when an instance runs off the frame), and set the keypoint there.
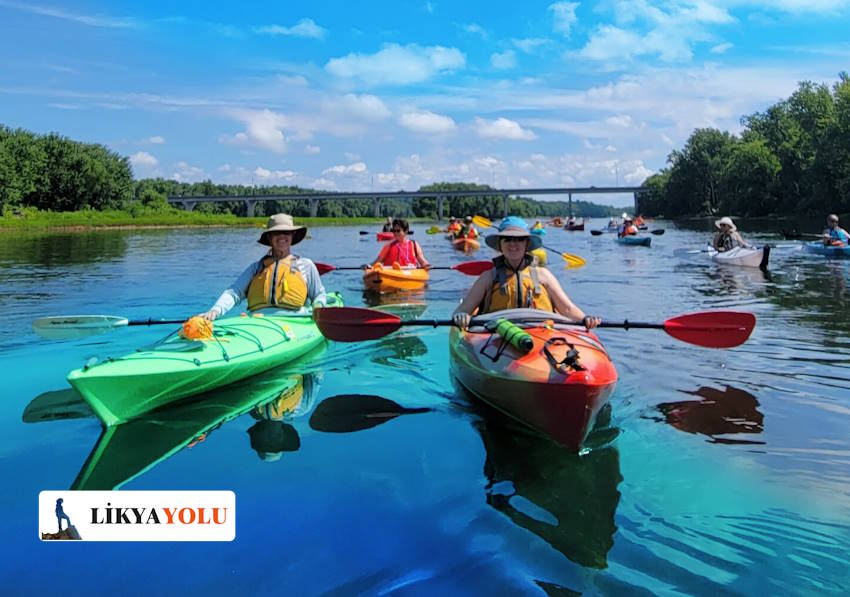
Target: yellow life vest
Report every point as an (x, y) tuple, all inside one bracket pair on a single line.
[(278, 284), (503, 293)]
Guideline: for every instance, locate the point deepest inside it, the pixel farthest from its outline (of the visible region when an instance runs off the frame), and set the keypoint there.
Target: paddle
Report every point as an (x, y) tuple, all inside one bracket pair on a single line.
[(470, 268), (365, 232), (712, 329), (434, 230), (66, 327), (354, 412), (657, 231), (572, 260), (596, 232)]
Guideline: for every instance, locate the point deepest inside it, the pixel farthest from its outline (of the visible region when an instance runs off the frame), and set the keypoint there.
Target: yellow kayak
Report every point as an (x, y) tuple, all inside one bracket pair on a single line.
[(385, 279), (466, 244)]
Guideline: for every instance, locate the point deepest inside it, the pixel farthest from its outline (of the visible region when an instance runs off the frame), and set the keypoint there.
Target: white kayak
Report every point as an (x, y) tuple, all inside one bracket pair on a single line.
[(741, 256)]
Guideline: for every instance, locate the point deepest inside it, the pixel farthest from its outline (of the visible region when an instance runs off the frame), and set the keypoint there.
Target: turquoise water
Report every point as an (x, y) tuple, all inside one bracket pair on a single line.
[(712, 472)]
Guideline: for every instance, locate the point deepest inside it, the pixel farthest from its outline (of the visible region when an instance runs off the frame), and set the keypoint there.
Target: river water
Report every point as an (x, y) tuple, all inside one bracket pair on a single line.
[(714, 471)]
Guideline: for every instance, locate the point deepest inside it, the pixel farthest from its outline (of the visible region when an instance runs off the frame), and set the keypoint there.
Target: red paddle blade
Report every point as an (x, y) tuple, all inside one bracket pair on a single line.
[(473, 268), (353, 324), (712, 329), (323, 268)]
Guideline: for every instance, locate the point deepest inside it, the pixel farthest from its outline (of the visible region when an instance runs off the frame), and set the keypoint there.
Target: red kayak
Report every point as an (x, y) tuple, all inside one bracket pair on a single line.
[(385, 235), (557, 388)]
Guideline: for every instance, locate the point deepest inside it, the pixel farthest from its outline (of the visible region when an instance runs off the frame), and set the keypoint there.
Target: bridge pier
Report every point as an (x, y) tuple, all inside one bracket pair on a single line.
[(249, 207), (377, 205), (636, 203), (314, 208), (188, 205), (505, 210), (440, 208)]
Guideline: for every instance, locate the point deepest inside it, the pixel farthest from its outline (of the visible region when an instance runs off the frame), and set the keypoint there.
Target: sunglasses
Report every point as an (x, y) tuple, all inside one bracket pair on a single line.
[(282, 233), (514, 239), (397, 230)]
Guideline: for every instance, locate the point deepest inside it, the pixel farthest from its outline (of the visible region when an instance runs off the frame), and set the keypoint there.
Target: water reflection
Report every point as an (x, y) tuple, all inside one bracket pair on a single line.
[(347, 413), (567, 500), (57, 249), (404, 347), (387, 300), (719, 413)]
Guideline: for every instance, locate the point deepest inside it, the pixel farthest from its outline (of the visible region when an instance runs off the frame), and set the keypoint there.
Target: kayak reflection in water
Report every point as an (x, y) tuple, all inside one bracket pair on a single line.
[(515, 282), (280, 279), (271, 435), (727, 236), (835, 235)]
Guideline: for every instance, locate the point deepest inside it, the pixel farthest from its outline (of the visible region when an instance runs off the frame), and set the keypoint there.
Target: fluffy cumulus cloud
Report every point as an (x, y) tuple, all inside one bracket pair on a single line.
[(563, 16), (273, 175), (304, 28), (312, 149), (365, 106), (530, 44), (142, 159), (426, 122), (154, 140), (502, 128), (184, 172), (346, 169), (397, 65), (503, 60), (263, 128)]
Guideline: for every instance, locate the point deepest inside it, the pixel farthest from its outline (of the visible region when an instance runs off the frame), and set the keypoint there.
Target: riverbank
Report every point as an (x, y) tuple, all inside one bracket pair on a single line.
[(31, 220)]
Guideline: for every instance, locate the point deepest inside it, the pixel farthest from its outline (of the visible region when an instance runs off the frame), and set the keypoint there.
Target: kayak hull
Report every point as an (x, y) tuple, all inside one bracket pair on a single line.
[(560, 404), (174, 368), (741, 256), (387, 279), (385, 236), (829, 251), (466, 244), (637, 241), (574, 227)]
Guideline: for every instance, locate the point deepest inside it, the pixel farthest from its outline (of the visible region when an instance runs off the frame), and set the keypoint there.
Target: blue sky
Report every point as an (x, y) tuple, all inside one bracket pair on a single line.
[(394, 95)]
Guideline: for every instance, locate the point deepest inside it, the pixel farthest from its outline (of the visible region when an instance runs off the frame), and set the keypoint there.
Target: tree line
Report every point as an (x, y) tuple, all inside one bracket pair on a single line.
[(52, 172), (793, 158)]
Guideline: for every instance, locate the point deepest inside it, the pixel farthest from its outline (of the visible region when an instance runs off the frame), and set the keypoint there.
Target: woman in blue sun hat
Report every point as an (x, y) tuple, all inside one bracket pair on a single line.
[(515, 282)]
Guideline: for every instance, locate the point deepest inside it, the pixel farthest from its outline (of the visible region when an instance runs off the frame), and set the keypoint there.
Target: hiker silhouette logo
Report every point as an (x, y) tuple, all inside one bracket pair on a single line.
[(69, 532)]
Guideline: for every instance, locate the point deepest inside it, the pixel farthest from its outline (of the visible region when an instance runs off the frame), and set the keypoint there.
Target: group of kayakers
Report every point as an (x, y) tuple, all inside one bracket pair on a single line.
[(462, 229), (282, 279), (727, 236)]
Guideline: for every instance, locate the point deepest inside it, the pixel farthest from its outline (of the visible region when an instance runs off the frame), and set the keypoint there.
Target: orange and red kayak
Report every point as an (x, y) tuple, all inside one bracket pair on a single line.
[(466, 244), (385, 235), (386, 279), (545, 389)]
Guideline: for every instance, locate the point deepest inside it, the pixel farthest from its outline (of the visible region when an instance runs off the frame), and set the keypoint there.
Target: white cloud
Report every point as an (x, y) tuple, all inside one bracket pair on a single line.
[(155, 140), (393, 179), (502, 128), (341, 170), (225, 168), (271, 175), (187, 173), (530, 44), (610, 149), (323, 184), (62, 106), (304, 28), (475, 29), (369, 107), (721, 48), (426, 122), (312, 149), (263, 128), (564, 16), (609, 42), (352, 157), (142, 159), (59, 13), (296, 80), (503, 60), (397, 65)]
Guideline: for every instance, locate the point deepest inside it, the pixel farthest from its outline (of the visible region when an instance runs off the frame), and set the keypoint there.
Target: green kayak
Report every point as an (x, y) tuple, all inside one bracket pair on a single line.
[(119, 389)]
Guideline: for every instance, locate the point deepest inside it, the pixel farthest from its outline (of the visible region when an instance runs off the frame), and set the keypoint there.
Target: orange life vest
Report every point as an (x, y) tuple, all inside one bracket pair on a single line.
[(278, 284), (516, 289), (401, 253)]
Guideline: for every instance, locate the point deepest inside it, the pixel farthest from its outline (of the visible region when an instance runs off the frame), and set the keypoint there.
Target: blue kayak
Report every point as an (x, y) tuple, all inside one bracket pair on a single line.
[(643, 241), (818, 247)]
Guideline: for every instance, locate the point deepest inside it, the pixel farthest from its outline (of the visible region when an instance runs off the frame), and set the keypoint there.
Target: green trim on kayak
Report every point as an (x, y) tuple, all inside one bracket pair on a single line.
[(174, 368)]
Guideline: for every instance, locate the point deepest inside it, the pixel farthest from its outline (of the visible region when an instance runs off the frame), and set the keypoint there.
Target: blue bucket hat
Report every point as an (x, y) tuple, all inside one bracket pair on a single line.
[(512, 226)]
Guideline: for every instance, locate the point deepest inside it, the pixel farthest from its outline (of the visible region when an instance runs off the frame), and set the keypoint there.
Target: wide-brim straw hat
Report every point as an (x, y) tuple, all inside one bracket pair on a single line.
[(726, 220), (282, 223), (513, 227)]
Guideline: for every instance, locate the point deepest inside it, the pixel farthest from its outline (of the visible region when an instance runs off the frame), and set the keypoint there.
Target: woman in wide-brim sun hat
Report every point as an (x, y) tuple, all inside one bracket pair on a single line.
[(727, 236), (515, 281), (278, 280)]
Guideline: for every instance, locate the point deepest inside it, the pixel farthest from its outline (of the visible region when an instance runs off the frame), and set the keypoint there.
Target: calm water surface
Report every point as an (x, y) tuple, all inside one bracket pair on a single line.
[(713, 472)]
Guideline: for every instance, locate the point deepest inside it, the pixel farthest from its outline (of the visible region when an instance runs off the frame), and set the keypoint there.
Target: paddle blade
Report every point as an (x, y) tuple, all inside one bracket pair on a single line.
[(481, 221), (353, 324), (712, 329), (573, 260), (657, 231), (596, 232), (473, 268), (324, 268), (68, 327), (354, 412), (433, 230)]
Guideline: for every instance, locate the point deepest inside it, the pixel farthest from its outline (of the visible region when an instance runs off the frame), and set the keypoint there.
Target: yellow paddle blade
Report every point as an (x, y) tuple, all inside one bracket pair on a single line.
[(573, 260), (481, 221)]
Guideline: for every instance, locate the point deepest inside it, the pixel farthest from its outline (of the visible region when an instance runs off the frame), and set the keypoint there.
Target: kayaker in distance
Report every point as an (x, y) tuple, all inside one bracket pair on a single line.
[(835, 235), (454, 226), (467, 230), (280, 280), (628, 228), (405, 252), (496, 289), (388, 225), (727, 236)]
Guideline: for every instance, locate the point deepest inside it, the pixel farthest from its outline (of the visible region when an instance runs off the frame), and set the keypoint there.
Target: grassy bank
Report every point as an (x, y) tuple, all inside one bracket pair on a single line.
[(29, 219)]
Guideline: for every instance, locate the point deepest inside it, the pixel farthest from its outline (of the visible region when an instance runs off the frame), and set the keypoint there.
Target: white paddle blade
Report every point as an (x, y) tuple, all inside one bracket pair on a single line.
[(68, 327)]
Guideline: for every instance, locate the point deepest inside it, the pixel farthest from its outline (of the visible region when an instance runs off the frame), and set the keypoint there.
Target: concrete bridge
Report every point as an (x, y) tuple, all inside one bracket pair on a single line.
[(189, 202)]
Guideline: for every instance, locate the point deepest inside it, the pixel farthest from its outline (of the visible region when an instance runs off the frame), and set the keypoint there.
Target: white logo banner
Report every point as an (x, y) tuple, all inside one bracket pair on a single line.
[(137, 515)]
